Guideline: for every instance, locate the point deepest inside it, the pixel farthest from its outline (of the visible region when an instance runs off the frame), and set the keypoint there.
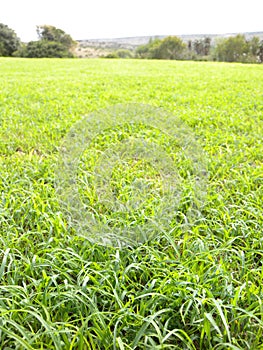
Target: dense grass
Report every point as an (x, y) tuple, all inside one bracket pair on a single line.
[(198, 287)]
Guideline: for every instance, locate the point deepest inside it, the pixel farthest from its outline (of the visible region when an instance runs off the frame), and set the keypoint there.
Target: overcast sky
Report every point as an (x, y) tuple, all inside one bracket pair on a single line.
[(88, 19)]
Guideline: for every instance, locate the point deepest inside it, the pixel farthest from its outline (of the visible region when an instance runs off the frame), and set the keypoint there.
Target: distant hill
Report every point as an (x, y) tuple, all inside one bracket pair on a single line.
[(102, 47)]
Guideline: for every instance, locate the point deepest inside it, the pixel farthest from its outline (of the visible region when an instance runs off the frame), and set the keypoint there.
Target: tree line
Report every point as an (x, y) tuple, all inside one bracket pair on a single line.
[(232, 49), (54, 42)]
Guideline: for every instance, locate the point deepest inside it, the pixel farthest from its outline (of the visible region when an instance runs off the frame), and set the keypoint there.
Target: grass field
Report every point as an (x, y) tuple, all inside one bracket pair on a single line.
[(189, 287)]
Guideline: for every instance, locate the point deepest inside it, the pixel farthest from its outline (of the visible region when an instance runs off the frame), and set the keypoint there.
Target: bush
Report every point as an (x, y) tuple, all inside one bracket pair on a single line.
[(111, 55), (122, 53), (170, 48), (148, 50), (44, 48)]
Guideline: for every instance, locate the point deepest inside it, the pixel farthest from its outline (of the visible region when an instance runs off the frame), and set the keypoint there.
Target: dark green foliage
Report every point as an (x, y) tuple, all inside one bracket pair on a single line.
[(111, 55), (149, 50), (237, 49), (121, 53), (253, 45), (53, 42), (232, 49), (51, 33), (44, 48), (9, 42), (260, 51), (170, 48), (202, 46)]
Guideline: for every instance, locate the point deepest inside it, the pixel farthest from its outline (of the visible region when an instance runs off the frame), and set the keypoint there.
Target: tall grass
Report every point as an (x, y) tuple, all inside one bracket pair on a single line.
[(195, 286)]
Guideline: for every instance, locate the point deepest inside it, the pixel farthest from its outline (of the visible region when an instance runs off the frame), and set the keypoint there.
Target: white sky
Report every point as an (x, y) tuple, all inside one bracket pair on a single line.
[(90, 19)]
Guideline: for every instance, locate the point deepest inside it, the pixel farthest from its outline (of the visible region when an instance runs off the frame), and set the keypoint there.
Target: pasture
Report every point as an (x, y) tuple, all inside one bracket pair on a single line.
[(196, 286)]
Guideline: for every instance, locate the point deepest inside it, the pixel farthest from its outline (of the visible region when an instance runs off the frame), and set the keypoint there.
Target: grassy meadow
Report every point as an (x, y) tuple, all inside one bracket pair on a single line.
[(194, 287)]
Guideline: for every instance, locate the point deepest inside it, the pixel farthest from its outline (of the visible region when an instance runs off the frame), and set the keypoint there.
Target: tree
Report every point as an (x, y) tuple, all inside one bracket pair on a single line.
[(149, 50), (207, 45), (51, 33), (170, 48), (198, 47), (44, 48), (232, 49), (260, 51), (253, 45), (53, 42), (202, 46), (9, 42)]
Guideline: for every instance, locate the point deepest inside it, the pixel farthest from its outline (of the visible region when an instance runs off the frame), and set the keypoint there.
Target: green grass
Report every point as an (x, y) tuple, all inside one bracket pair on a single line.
[(189, 287)]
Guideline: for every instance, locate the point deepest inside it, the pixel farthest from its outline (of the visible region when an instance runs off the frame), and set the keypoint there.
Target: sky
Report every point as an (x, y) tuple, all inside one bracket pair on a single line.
[(93, 19)]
